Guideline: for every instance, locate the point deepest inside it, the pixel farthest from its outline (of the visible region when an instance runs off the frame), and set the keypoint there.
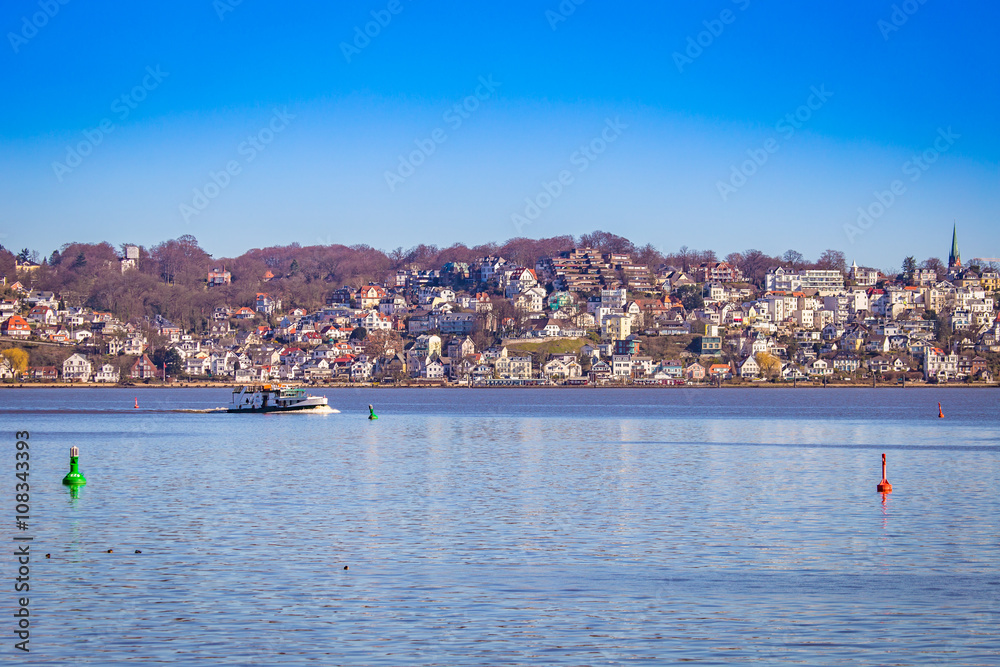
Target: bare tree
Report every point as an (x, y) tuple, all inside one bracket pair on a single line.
[(755, 265), (793, 258), (380, 343), (936, 265), (684, 255), (832, 260)]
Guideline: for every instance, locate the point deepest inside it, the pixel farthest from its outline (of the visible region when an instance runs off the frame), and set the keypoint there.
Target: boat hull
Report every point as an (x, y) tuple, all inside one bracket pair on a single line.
[(268, 398), (275, 408)]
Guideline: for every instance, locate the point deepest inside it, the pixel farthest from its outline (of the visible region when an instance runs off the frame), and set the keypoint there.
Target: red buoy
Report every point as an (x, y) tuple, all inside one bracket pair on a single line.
[(940, 412), (136, 402), (884, 486)]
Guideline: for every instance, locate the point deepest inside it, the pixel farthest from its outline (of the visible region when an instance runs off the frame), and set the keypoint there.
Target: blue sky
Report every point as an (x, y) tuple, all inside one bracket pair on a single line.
[(668, 124)]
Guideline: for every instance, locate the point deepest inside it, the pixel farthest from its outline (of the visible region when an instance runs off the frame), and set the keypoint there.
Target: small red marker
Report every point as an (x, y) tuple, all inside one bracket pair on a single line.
[(940, 412), (136, 402), (884, 486)]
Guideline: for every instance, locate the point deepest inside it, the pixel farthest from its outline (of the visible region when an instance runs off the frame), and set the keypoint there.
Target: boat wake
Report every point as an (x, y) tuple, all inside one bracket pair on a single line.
[(319, 410)]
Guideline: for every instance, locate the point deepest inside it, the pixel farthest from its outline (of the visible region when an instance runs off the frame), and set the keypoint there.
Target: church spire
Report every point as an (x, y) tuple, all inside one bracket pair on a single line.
[(955, 257)]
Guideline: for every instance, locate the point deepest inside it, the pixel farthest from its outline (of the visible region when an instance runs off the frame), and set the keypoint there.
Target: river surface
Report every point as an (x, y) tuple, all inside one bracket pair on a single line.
[(496, 527)]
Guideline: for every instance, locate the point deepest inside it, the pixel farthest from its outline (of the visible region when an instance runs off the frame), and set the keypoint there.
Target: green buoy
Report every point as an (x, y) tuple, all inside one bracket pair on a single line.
[(74, 478), (371, 413)]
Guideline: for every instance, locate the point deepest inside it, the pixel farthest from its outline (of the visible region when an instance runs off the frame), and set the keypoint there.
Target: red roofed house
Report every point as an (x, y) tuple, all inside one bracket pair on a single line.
[(519, 279), (58, 335), (42, 315), (142, 369), (293, 355), (695, 372), (15, 326), (341, 349), (723, 371), (219, 277), (369, 297), (720, 272), (171, 333), (46, 373), (483, 302), (311, 338)]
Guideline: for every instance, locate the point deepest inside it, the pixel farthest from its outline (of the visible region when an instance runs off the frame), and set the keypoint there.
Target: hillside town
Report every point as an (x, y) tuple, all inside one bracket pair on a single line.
[(582, 316)]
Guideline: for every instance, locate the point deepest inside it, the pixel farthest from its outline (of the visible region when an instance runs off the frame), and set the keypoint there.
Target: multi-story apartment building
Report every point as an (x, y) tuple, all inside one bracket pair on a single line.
[(939, 364)]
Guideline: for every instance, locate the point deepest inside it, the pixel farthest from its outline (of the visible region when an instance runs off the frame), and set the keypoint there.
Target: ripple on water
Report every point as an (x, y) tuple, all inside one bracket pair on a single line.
[(533, 527)]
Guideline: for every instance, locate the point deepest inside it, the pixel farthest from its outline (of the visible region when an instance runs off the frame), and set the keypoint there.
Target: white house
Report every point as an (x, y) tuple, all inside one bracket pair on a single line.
[(820, 367), (519, 279), (512, 368), (362, 369), (749, 368), (107, 373), (790, 371), (939, 364), (846, 363), (76, 369), (530, 300), (42, 315), (376, 321), (432, 369), (134, 345), (621, 365), (222, 364), (642, 365), (197, 366), (559, 368)]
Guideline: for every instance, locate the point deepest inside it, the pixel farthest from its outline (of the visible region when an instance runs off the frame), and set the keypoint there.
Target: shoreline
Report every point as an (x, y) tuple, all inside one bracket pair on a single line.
[(749, 385)]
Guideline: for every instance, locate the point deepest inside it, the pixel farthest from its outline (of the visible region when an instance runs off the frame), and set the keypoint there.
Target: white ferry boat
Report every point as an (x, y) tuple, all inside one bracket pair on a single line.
[(274, 398)]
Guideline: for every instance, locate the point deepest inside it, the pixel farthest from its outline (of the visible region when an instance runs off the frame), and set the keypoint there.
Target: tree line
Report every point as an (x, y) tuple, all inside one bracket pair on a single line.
[(170, 280)]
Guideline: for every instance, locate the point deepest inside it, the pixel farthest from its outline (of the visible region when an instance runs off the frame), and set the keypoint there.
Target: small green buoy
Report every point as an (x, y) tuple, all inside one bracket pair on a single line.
[(371, 413), (74, 478)]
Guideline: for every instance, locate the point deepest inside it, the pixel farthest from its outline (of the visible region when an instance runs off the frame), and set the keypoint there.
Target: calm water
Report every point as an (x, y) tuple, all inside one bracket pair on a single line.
[(563, 527)]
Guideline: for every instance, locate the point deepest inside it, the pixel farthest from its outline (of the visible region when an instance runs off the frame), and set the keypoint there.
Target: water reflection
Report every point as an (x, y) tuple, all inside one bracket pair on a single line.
[(482, 527)]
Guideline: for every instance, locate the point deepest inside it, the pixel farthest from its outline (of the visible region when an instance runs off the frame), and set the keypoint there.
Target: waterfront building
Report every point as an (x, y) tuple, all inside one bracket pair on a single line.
[(76, 369)]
